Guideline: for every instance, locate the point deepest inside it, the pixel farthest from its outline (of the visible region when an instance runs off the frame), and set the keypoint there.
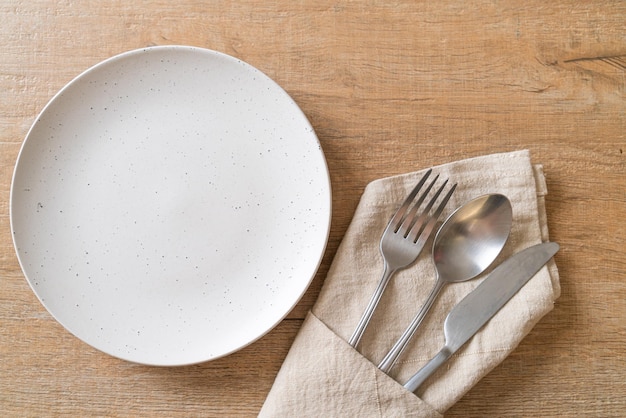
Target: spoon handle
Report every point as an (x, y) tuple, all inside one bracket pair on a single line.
[(392, 356), (371, 306)]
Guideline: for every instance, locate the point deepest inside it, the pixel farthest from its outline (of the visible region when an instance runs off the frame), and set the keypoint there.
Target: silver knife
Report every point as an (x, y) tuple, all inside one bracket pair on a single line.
[(471, 313)]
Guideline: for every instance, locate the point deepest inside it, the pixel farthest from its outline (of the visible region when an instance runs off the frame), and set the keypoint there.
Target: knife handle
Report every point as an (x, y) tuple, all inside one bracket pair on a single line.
[(429, 368)]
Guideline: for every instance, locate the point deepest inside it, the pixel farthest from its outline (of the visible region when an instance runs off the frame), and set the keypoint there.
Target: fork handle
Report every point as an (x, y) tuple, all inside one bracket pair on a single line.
[(392, 356), (371, 306)]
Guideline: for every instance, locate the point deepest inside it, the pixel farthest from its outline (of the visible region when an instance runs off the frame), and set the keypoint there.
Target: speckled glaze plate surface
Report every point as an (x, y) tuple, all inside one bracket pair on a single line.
[(170, 205)]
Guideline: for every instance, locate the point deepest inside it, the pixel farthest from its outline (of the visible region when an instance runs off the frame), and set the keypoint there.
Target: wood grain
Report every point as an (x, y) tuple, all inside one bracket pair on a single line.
[(389, 87)]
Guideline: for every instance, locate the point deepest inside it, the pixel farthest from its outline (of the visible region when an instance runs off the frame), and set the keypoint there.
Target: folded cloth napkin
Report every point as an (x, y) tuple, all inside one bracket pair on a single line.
[(323, 376)]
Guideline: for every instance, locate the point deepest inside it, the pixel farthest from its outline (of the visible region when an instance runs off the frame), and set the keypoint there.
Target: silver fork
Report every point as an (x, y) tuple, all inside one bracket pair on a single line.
[(403, 240)]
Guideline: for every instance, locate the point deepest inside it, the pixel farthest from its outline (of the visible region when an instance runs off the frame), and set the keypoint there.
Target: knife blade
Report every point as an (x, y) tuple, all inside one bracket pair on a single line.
[(480, 305)]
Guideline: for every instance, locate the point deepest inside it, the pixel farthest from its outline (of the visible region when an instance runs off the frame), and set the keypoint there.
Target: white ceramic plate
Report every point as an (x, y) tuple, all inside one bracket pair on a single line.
[(170, 205)]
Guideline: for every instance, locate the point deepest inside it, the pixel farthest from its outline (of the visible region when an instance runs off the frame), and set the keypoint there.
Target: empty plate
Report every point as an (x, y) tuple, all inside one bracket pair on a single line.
[(170, 205)]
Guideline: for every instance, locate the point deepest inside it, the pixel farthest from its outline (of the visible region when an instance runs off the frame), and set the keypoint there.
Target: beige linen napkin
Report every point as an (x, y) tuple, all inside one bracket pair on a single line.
[(323, 376)]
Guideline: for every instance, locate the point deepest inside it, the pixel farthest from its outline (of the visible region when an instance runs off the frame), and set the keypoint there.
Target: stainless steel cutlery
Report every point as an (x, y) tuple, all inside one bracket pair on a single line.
[(403, 240), (480, 305), (465, 245)]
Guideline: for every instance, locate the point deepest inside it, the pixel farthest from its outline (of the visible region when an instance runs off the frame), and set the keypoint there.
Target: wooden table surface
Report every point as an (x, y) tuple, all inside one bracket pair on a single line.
[(390, 87)]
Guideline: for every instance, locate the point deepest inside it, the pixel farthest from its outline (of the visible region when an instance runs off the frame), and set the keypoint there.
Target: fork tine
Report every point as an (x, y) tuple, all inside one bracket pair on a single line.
[(409, 219), (430, 225), (418, 222), (399, 217)]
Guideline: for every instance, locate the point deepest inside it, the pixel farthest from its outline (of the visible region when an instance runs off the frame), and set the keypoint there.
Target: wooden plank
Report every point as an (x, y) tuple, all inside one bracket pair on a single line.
[(389, 87)]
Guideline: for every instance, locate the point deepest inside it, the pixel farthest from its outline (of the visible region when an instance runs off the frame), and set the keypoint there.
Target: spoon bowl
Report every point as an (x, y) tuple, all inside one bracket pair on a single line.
[(472, 237), (469, 240)]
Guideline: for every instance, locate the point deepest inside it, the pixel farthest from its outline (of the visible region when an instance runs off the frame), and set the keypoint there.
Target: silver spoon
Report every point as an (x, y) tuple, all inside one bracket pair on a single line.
[(465, 245)]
